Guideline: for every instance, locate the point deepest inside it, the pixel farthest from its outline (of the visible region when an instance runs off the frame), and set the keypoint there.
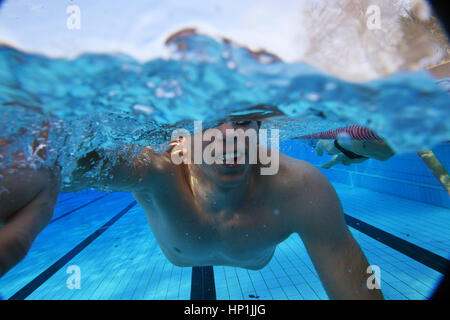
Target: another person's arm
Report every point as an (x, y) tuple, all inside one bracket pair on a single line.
[(337, 257), (25, 209), (27, 200), (28, 195)]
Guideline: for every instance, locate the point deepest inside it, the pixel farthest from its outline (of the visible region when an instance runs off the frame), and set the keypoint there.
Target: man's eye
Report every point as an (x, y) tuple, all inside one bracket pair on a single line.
[(243, 123)]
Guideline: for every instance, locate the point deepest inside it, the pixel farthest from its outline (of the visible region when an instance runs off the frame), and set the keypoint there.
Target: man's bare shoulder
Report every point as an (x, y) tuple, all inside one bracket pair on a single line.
[(310, 195), (298, 172)]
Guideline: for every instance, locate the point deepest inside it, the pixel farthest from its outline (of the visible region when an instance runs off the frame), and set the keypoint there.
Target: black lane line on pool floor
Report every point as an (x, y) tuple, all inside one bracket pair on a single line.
[(50, 271), (426, 257), (202, 283), (80, 207)]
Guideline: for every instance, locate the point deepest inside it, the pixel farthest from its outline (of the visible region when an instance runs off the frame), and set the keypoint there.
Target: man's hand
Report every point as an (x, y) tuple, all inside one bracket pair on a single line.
[(378, 150)]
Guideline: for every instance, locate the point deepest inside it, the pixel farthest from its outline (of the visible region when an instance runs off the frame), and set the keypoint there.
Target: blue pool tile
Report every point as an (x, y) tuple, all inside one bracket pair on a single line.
[(306, 292)]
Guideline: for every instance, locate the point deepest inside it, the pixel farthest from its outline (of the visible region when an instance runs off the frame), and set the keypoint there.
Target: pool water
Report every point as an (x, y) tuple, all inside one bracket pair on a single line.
[(396, 210), (99, 244), (104, 101)]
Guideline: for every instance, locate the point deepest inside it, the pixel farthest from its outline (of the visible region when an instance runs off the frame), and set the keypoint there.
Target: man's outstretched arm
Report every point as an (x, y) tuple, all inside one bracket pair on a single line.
[(337, 257), (112, 170)]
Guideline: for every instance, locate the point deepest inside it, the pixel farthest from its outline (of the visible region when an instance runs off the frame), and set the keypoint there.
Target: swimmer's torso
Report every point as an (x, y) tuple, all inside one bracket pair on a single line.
[(189, 235)]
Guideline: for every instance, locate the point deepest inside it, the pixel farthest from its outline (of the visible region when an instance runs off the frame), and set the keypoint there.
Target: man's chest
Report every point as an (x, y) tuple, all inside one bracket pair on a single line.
[(190, 235)]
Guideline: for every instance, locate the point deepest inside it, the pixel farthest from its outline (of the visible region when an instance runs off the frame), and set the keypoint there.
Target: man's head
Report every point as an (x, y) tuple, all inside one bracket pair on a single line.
[(223, 154), (238, 139)]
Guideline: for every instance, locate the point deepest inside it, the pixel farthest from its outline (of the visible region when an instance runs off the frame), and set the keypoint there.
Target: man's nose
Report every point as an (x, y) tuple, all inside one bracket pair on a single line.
[(224, 126)]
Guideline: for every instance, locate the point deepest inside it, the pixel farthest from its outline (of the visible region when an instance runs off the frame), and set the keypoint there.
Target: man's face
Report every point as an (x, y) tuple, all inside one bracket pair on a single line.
[(230, 173)]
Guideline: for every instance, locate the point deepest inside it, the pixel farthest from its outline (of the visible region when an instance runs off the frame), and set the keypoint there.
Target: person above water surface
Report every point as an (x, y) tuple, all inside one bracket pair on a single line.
[(206, 214)]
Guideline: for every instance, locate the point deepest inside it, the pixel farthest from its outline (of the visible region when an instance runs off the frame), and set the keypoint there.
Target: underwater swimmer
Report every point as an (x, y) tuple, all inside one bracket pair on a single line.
[(348, 151), (212, 214)]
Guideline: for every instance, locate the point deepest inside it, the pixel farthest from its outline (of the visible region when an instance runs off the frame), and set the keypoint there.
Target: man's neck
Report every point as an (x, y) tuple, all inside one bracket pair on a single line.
[(219, 198)]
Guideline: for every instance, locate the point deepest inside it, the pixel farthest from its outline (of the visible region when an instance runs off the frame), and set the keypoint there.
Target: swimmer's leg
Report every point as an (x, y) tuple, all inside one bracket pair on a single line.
[(436, 167)]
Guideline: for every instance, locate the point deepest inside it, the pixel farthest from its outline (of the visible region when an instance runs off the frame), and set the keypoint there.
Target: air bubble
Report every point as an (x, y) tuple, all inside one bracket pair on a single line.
[(225, 54), (143, 108), (313, 97), (231, 65), (160, 93)]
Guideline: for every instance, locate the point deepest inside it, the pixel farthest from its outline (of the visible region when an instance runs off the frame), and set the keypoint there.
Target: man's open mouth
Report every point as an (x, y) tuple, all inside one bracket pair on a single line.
[(230, 160)]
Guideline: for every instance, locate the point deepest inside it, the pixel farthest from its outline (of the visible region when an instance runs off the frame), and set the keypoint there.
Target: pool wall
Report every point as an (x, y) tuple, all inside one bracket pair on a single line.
[(404, 175)]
